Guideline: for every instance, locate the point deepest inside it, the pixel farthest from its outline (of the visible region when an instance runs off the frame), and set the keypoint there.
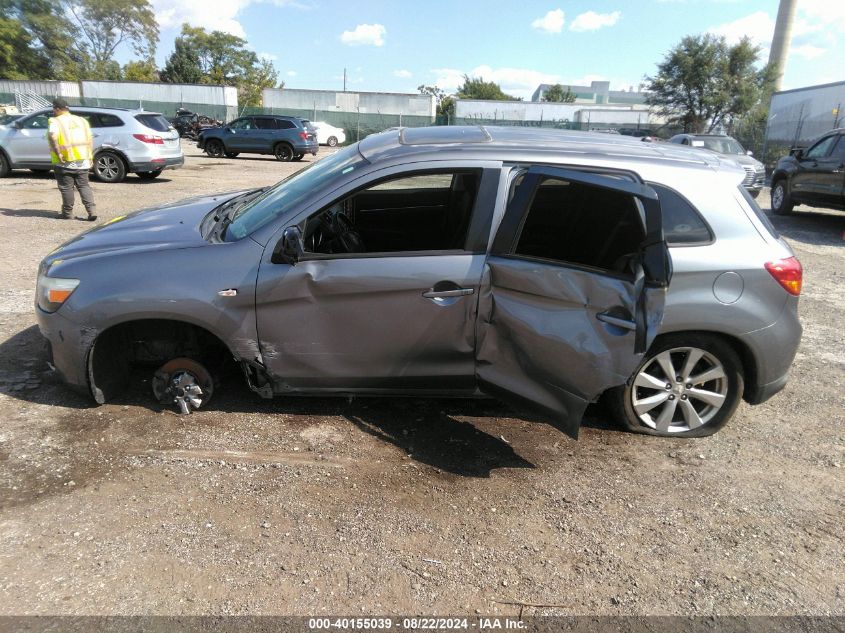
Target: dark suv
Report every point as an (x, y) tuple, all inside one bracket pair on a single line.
[(286, 137), (814, 176)]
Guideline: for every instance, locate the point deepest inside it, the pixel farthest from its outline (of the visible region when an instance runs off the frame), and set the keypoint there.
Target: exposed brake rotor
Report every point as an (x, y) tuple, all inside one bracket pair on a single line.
[(183, 382)]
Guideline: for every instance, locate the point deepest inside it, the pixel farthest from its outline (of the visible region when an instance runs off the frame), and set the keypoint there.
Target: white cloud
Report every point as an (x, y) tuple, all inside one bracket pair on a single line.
[(365, 35), (292, 73), (518, 82), (758, 27), (592, 21), (823, 14), (807, 51), (403, 74), (270, 57), (212, 15), (552, 22)]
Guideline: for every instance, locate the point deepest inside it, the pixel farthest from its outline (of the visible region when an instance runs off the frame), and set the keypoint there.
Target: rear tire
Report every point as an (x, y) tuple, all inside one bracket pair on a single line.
[(701, 403), (332, 141), (4, 166), (109, 167), (149, 175), (283, 152), (298, 157), (214, 148), (781, 201), (232, 154)]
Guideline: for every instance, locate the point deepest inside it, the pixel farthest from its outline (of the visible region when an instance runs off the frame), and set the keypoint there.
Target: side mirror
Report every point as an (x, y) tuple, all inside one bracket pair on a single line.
[(290, 248), (17, 125), (797, 153), (229, 130), (749, 153)]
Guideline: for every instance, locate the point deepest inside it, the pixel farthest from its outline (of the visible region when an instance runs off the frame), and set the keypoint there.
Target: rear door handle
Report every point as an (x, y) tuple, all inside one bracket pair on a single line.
[(608, 318), (443, 294)]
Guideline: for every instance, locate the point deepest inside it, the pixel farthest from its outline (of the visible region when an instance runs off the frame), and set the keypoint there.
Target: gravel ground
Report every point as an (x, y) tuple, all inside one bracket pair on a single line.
[(391, 506)]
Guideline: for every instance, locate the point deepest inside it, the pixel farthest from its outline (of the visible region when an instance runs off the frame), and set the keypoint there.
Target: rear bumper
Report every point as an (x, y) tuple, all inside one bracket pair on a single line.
[(774, 348), (157, 164)]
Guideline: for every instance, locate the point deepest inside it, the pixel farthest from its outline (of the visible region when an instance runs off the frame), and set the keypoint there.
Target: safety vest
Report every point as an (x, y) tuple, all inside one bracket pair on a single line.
[(73, 136)]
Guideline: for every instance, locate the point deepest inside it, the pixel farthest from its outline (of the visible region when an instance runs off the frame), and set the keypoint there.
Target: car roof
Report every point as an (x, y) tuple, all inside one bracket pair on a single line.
[(99, 109), (528, 144)]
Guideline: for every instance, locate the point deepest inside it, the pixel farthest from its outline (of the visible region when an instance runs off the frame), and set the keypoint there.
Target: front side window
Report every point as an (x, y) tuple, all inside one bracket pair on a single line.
[(292, 191), (419, 212), (584, 225), (820, 149), (241, 124), (36, 123), (838, 153)]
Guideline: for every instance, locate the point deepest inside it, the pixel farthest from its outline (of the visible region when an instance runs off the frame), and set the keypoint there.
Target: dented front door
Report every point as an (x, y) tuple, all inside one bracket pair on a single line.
[(572, 293)]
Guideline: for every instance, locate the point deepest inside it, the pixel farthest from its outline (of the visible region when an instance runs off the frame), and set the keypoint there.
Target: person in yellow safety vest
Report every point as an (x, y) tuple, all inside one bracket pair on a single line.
[(71, 151)]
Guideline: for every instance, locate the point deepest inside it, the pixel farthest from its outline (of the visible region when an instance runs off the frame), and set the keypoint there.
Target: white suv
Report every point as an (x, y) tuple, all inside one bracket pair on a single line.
[(125, 141)]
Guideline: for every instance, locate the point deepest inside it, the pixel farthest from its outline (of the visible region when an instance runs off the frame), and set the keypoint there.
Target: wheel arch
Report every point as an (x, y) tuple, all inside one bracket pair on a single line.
[(746, 356), (147, 340)]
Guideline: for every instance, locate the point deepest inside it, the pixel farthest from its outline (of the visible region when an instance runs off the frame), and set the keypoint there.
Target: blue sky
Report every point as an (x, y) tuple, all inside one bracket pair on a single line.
[(394, 46)]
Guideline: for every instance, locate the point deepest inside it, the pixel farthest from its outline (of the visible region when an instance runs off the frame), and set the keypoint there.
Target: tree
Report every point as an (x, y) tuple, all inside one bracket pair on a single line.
[(35, 41), (559, 94), (106, 24), (445, 102), (183, 65), (477, 88), (222, 58), (703, 83), (140, 71), (257, 78)]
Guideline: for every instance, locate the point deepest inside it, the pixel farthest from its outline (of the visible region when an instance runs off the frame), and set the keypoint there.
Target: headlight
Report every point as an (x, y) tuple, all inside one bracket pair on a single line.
[(52, 292)]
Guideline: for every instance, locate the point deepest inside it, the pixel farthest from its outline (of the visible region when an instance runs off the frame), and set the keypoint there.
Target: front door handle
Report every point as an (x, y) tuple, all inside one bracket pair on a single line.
[(625, 324), (443, 294)]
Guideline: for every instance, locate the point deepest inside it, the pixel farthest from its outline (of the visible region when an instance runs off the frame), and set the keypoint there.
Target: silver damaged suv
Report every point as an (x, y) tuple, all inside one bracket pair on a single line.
[(125, 141), (547, 268)]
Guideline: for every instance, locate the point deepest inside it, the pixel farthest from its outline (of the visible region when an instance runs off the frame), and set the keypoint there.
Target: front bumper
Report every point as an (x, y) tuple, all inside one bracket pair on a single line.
[(157, 164), (69, 345)]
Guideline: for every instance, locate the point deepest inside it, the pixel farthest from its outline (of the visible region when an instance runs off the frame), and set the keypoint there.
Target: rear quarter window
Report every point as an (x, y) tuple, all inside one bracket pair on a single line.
[(682, 223), (764, 219), (153, 121)]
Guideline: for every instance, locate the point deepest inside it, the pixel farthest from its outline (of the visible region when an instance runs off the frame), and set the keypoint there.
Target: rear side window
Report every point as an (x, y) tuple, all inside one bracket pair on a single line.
[(682, 224), (153, 121), (764, 219), (573, 223), (264, 123), (284, 124), (108, 120)]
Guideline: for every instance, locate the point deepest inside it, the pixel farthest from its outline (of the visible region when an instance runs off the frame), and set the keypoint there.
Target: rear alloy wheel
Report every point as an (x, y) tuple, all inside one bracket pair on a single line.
[(214, 148), (283, 152), (688, 386), (149, 175), (183, 382), (109, 167), (298, 157), (232, 154), (781, 201), (332, 141)]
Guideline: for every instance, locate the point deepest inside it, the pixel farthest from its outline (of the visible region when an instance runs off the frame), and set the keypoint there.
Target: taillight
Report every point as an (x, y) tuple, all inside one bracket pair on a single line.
[(788, 273), (149, 138), (303, 136)]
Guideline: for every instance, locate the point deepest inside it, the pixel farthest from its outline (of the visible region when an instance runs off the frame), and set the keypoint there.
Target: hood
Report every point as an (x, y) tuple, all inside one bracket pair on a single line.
[(745, 159), (173, 226)]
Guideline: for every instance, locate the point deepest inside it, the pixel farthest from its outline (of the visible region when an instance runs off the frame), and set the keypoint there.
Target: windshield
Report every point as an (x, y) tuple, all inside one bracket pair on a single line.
[(725, 145), (291, 191)]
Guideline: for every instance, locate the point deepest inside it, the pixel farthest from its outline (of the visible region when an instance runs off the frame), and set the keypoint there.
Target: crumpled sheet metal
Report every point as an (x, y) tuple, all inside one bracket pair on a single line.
[(539, 338)]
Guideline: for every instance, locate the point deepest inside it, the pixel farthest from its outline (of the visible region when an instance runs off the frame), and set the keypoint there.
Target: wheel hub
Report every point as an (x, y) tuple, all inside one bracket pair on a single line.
[(183, 382)]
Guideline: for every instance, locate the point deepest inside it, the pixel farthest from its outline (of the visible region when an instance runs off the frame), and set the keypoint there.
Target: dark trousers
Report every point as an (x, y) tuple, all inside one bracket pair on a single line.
[(67, 180)]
